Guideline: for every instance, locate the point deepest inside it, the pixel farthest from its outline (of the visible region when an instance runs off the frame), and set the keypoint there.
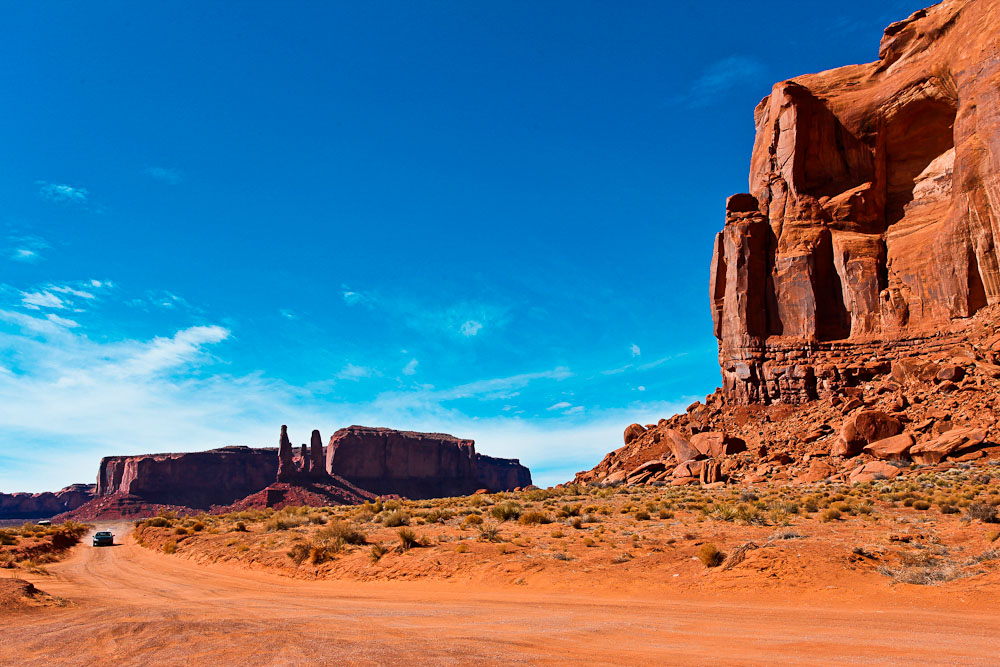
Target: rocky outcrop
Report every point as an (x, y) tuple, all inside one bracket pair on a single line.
[(287, 469), (417, 465), (44, 505), (197, 480), (317, 465), (872, 227)]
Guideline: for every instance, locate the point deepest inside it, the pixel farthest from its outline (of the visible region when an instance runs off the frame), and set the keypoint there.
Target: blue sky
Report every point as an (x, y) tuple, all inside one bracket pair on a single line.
[(489, 219)]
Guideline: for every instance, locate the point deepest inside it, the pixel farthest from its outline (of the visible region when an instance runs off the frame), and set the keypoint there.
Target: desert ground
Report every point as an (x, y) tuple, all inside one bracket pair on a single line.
[(632, 584)]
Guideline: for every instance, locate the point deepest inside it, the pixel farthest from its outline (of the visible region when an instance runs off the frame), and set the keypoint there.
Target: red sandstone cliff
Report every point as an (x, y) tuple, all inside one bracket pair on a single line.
[(196, 479), (873, 215), (418, 465), (44, 505)]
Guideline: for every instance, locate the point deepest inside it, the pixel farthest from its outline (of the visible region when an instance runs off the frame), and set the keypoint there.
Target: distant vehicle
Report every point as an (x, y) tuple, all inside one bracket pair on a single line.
[(104, 538), (44, 522)]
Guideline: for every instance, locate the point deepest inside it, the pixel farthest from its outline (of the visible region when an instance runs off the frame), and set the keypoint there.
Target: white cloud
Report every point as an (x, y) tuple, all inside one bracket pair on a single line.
[(75, 292), (635, 350), (641, 388), (471, 328), (62, 194), (165, 175), (352, 372), (27, 249), (164, 354), (559, 406), (38, 300), (411, 367), (575, 410), (25, 255), (287, 314), (61, 321)]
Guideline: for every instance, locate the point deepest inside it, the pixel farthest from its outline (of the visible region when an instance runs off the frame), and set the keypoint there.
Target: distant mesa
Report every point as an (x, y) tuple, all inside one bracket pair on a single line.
[(360, 463)]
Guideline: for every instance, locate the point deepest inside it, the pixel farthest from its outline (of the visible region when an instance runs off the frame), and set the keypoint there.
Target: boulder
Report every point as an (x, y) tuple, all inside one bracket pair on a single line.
[(690, 468), (711, 472), (950, 373), (680, 446), (871, 471), (715, 444), (954, 441), (632, 432), (893, 448), (817, 472), (862, 428)]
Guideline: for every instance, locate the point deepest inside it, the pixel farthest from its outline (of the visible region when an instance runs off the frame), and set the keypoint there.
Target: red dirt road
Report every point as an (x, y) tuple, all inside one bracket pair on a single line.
[(136, 607)]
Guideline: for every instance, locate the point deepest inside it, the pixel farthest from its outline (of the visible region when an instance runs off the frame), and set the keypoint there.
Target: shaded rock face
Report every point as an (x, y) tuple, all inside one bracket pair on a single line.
[(44, 505), (873, 213), (198, 479), (417, 465)]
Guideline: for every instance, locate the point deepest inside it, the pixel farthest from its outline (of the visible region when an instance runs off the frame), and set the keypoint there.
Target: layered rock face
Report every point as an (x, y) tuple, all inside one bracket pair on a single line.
[(872, 224), (44, 505), (418, 465), (197, 480)]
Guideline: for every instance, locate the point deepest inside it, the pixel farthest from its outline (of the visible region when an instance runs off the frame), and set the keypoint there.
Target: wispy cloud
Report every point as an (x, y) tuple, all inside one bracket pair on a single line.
[(61, 193), (411, 367), (38, 300), (562, 405), (471, 328), (635, 350), (732, 72), (27, 249), (352, 372), (166, 175)]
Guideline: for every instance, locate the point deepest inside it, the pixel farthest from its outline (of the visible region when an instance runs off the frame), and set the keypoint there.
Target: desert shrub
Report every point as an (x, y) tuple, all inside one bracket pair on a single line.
[(158, 522), (376, 553), (830, 515), (535, 517), (642, 515), (170, 547), (666, 514), (299, 552), (343, 532), (198, 526), (577, 523), (473, 520), (949, 509), (489, 534), (461, 548), (981, 512), (280, 523), (992, 535), (407, 539), (506, 511), (709, 555), (921, 505), (588, 542), (180, 531), (240, 527), (395, 518), (750, 515)]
